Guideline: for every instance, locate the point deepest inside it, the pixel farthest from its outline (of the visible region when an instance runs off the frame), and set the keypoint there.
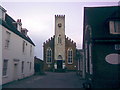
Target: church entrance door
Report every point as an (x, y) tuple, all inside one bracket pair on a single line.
[(59, 64)]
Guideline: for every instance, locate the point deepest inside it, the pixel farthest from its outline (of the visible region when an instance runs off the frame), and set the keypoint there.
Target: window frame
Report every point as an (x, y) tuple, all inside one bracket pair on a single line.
[(7, 41), (70, 56), (30, 50), (23, 46), (113, 27), (49, 55), (117, 46), (22, 66), (59, 39), (5, 68)]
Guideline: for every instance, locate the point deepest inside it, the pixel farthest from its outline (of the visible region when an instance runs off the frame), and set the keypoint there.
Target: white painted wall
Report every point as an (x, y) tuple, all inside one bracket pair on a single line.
[(0, 56), (15, 52)]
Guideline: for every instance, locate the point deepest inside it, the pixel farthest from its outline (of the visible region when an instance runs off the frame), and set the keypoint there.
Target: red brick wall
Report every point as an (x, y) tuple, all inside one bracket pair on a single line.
[(48, 43), (70, 44)]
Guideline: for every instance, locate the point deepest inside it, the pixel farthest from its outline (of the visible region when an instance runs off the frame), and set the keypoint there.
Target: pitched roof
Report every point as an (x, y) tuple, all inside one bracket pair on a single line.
[(98, 18), (8, 23)]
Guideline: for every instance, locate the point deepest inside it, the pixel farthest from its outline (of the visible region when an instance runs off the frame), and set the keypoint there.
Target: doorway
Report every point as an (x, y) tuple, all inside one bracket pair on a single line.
[(15, 76), (59, 64)]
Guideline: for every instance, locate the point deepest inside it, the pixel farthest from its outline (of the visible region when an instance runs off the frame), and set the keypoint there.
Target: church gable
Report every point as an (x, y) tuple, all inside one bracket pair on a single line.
[(48, 47), (49, 42), (69, 42), (70, 50)]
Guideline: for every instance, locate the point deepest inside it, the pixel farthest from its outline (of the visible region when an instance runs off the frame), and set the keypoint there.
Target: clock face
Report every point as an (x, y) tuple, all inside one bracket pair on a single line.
[(59, 25)]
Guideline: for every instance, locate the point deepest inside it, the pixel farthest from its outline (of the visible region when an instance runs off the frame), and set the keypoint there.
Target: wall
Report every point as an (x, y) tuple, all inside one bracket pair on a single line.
[(70, 44), (49, 43), (59, 48), (15, 52), (0, 55)]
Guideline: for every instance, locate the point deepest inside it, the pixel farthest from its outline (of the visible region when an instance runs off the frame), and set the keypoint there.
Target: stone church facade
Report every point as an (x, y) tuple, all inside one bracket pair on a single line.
[(59, 51)]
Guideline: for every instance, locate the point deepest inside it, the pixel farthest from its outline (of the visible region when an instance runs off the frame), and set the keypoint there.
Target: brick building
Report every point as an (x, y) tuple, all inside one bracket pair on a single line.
[(59, 50)]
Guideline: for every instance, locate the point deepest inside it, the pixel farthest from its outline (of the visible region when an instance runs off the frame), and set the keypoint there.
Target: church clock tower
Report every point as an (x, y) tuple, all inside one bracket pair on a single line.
[(59, 42)]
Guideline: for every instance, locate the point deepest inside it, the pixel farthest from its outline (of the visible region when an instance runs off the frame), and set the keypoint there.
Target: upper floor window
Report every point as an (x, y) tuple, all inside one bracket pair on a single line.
[(114, 27), (5, 67), (30, 50), (7, 42), (49, 55), (117, 46), (23, 49), (59, 39), (70, 56)]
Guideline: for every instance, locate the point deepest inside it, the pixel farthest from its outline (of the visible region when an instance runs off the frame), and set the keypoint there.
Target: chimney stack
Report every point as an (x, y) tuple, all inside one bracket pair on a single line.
[(19, 25), (2, 13), (24, 31)]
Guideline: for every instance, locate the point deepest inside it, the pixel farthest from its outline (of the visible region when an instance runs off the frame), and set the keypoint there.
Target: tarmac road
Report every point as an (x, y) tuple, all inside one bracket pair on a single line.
[(50, 80)]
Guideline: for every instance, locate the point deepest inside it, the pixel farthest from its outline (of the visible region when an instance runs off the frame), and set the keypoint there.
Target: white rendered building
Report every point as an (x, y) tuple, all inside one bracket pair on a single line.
[(17, 49)]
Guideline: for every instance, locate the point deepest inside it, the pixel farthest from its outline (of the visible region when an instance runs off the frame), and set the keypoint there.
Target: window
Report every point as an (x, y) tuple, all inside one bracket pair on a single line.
[(7, 42), (22, 67), (117, 46), (49, 55), (70, 56), (114, 27), (30, 50), (5, 66), (30, 65), (60, 57), (59, 39), (23, 47)]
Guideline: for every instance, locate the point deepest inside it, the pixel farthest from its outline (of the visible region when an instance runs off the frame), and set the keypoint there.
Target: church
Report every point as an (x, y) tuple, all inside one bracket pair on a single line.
[(59, 52)]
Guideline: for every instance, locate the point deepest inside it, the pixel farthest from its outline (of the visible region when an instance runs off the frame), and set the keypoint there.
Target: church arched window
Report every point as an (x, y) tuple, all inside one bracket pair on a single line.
[(59, 39), (70, 56), (49, 55)]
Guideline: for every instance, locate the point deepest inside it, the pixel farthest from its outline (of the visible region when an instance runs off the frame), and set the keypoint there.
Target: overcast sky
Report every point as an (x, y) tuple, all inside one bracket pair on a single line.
[(38, 18)]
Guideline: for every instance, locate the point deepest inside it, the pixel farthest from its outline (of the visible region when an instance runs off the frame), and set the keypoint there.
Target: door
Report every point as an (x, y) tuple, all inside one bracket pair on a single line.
[(15, 72), (59, 64)]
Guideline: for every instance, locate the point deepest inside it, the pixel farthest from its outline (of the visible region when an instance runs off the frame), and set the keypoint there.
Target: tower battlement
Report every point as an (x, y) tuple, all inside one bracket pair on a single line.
[(60, 16)]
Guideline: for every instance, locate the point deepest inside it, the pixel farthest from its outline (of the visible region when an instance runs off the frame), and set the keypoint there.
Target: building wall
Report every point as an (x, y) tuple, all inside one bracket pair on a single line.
[(0, 55), (108, 71), (102, 65), (72, 45), (47, 44), (38, 65), (80, 63), (14, 55)]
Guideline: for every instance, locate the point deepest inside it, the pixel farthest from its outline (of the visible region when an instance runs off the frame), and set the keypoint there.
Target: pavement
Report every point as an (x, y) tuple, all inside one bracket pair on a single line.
[(49, 80)]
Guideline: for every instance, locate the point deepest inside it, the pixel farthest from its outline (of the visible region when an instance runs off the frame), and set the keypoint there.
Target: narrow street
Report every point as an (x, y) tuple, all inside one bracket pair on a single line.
[(50, 80)]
